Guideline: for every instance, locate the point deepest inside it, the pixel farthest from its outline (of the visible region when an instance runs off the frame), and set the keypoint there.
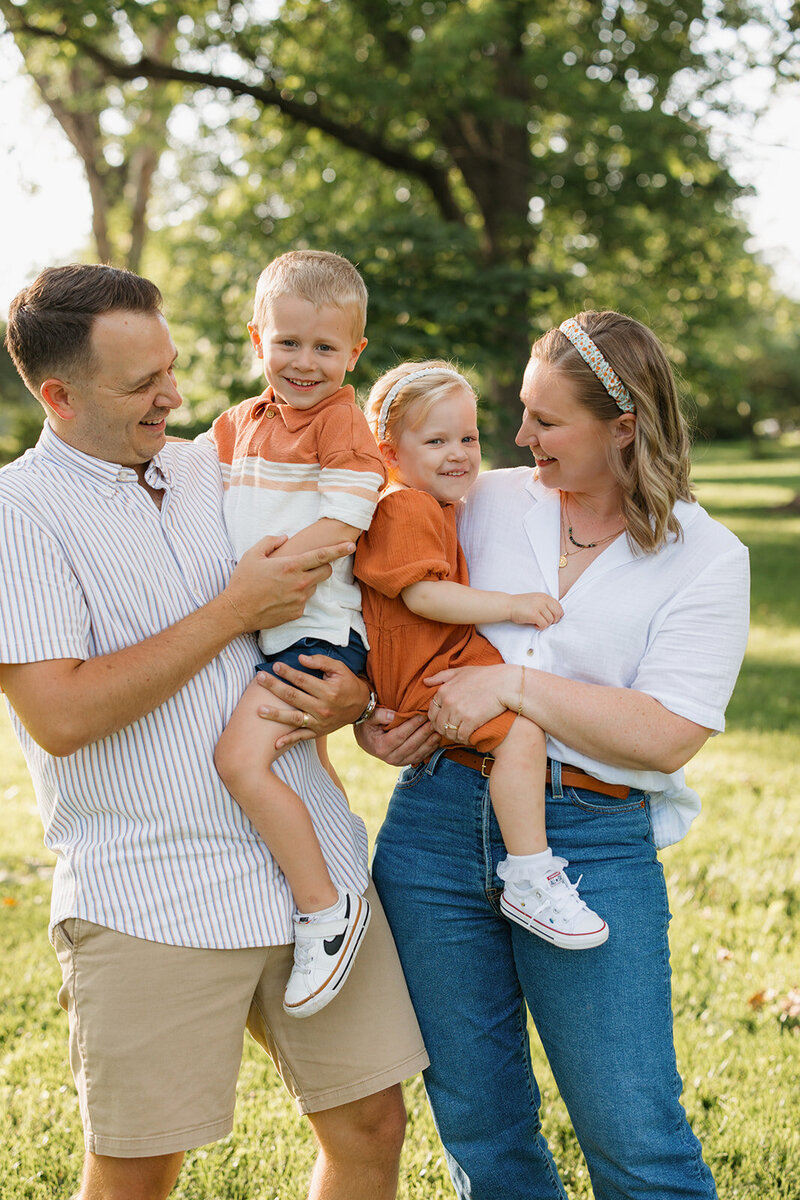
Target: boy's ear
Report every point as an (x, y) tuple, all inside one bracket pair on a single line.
[(255, 338), (57, 398), (356, 353)]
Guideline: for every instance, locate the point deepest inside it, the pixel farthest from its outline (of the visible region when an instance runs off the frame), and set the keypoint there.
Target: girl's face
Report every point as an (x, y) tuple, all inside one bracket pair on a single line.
[(442, 456), (570, 446)]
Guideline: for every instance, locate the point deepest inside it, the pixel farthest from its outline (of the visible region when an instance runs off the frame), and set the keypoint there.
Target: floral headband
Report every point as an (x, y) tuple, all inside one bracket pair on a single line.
[(594, 359), (397, 387)]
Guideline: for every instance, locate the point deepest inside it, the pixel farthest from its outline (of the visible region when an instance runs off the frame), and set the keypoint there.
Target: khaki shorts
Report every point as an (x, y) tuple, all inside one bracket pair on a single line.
[(156, 1033)]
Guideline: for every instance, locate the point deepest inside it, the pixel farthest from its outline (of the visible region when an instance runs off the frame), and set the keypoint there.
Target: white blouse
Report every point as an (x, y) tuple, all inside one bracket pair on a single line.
[(672, 625)]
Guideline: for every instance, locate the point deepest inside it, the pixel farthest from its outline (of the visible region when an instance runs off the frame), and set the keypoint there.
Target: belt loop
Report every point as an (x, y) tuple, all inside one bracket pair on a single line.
[(556, 790), (433, 760)]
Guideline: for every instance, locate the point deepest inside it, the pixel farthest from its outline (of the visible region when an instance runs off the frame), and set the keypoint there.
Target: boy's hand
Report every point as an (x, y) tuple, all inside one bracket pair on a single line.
[(535, 608), (266, 591)]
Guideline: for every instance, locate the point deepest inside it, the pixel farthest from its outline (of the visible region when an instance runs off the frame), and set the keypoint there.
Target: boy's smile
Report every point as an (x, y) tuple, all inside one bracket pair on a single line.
[(307, 351)]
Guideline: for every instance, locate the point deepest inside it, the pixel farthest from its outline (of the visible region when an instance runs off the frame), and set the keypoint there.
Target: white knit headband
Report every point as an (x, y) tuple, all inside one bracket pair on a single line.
[(396, 389)]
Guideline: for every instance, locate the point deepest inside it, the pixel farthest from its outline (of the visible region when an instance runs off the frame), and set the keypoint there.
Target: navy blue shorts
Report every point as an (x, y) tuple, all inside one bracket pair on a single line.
[(353, 655)]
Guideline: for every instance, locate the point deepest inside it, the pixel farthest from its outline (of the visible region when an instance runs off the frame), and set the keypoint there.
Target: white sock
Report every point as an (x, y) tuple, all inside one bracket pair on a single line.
[(324, 914), (521, 869)]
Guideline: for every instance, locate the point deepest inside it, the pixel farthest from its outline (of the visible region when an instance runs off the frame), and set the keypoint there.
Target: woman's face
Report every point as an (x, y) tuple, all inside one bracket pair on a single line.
[(570, 446)]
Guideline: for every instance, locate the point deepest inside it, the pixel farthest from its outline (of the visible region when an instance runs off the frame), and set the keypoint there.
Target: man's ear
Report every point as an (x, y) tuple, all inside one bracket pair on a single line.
[(57, 397)]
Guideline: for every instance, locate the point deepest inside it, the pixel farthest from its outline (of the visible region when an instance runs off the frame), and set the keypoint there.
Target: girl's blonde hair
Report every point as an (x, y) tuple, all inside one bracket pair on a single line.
[(413, 402), (653, 470)]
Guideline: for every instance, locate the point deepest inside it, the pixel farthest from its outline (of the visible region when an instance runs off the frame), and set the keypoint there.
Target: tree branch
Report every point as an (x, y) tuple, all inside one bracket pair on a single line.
[(433, 177)]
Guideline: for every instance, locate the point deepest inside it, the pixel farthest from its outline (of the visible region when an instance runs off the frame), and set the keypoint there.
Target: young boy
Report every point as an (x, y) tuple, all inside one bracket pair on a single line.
[(300, 460)]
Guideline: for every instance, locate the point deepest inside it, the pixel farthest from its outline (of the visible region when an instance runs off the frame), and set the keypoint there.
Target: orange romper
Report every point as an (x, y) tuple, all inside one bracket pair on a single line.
[(413, 537)]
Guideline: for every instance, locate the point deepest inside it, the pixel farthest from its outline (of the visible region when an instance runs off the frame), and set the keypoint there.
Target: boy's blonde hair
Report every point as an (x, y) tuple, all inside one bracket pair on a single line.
[(319, 276), (412, 403)]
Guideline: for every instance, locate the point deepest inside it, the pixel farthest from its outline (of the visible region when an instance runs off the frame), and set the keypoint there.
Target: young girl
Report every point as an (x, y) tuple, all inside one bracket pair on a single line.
[(420, 614)]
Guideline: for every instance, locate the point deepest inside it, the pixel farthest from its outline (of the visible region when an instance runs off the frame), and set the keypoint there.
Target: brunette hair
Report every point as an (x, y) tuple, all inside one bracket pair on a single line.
[(653, 470), (50, 322), (319, 276)]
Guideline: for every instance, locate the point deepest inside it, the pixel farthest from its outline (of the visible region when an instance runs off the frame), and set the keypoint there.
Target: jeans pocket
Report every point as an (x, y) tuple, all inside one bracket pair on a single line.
[(411, 775), (597, 802)]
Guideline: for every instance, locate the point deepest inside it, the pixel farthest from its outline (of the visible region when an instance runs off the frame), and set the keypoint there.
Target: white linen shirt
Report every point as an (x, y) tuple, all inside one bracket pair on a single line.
[(672, 625), (147, 839)]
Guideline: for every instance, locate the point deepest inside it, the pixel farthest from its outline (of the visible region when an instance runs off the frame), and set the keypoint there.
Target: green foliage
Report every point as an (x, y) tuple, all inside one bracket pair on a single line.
[(492, 166), (734, 889)]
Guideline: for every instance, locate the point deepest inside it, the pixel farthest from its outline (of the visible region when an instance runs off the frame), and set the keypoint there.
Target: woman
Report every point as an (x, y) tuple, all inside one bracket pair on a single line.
[(628, 685)]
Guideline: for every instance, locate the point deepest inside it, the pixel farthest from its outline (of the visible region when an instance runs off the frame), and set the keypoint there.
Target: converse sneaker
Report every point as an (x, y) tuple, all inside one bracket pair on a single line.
[(324, 952), (552, 909)]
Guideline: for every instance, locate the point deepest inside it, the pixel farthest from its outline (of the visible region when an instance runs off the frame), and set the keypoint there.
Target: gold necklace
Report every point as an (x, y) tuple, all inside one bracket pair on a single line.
[(567, 554)]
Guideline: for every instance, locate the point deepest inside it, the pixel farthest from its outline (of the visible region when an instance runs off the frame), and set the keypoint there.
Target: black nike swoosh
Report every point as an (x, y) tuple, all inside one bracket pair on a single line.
[(333, 945)]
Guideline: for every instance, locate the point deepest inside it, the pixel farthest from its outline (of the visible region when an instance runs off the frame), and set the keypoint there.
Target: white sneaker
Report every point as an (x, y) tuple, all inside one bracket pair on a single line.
[(552, 909), (324, 953)]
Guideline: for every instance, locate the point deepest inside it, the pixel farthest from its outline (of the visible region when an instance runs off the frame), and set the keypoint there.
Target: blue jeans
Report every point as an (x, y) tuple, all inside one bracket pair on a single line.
[(604, 1015)]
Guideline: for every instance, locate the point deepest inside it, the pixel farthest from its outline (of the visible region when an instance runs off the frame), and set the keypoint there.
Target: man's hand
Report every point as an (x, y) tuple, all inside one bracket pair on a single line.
[(267, 590), (408, 743), (319, 706)]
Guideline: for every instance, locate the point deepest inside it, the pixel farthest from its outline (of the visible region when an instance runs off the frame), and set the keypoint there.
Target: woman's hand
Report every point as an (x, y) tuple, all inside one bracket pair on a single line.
[(468, 697), (407, 743), (319, 705)]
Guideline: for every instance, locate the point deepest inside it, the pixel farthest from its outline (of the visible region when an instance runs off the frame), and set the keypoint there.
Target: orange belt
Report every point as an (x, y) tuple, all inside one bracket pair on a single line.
[(570, 776)]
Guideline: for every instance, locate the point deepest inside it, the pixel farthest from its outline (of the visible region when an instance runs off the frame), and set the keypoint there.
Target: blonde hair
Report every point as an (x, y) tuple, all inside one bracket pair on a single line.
[(413, 402), (653, 470), (319, 276)]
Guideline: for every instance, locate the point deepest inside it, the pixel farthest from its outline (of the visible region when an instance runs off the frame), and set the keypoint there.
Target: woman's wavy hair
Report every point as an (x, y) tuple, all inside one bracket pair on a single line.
[(653, 470)]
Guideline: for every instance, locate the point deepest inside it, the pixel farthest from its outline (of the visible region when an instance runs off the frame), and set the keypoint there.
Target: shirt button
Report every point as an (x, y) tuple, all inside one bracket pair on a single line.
[(270, 412), (529, 651)]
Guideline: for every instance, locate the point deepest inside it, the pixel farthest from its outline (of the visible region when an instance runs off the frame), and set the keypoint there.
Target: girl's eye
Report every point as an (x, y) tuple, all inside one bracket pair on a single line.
[(434, 442), (544, 424), (470, 438)]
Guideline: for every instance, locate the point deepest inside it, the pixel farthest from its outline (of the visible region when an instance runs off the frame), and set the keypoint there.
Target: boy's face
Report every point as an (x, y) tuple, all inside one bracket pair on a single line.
[(307, 351)]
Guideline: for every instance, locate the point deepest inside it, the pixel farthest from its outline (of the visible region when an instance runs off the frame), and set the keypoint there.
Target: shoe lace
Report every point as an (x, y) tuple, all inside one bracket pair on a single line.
[(566, 901)]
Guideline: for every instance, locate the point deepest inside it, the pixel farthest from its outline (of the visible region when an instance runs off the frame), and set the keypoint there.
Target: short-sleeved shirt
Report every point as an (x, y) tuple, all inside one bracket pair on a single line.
[(285, 468), (672, 624), (412, 538), (147, 839)]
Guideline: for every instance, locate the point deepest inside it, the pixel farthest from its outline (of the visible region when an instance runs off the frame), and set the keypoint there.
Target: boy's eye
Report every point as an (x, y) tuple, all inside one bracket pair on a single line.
[(434, 442), (472, 437), (324, 346)]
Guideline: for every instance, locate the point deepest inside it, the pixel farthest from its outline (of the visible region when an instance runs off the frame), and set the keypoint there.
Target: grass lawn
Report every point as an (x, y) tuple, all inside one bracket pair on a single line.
[(735, 892)]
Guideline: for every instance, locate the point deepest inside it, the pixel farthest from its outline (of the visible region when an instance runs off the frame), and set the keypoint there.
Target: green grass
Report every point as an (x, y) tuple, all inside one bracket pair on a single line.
[(735, 893)]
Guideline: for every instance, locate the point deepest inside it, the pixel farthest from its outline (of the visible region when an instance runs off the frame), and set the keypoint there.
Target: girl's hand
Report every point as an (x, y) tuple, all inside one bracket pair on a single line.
[(535, 608), (468, 697), (407, 743), (319, 705)]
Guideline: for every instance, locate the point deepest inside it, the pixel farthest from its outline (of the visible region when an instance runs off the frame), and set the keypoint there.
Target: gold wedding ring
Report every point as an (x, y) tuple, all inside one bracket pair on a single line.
[(305, 720)]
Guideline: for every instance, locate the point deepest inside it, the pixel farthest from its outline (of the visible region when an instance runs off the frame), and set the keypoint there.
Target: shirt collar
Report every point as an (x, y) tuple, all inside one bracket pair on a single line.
[(97, 469), (298, 418)]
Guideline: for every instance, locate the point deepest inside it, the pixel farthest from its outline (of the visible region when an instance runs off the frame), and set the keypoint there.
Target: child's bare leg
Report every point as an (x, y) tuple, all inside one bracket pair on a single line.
[(244, 757), (537, 895), (516, 787)]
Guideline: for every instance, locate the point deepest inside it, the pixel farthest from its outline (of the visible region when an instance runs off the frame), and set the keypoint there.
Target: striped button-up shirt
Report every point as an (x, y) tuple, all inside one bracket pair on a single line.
[(148, 841)]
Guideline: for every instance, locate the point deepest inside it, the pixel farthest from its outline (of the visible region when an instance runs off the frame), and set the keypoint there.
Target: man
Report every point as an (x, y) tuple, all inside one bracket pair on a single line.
[(123, 655)]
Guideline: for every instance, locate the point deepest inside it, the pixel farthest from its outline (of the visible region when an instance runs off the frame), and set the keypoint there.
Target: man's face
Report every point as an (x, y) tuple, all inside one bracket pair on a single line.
[(120, 409)]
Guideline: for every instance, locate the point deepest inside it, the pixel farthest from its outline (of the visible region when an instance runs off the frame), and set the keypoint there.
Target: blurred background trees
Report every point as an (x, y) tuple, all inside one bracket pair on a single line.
[(491, 165)]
